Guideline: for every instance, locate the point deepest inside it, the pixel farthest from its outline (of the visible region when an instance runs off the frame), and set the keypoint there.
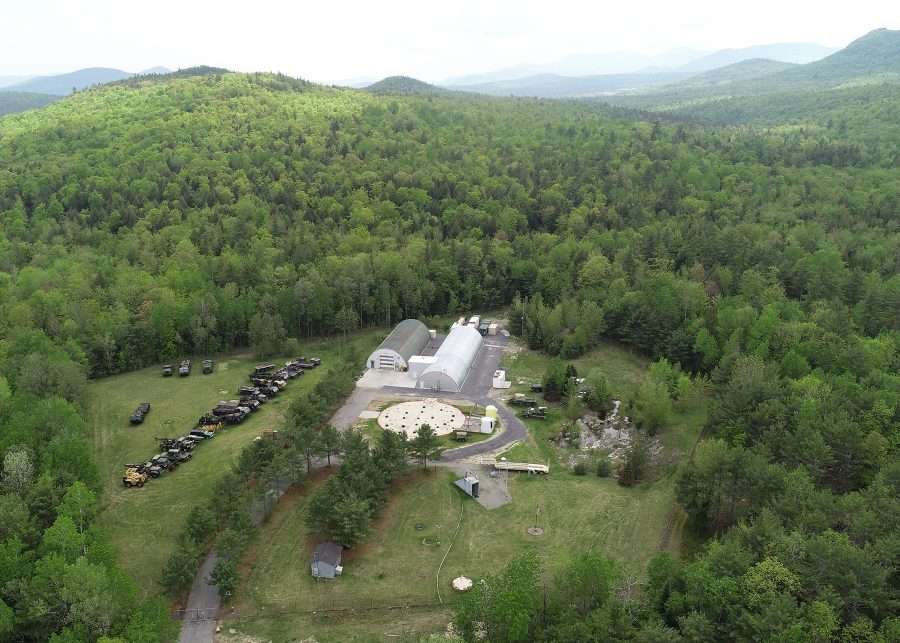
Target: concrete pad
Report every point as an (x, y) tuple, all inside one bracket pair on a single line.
[(369, 415), (492, 492), (407, 417), (379, 378)]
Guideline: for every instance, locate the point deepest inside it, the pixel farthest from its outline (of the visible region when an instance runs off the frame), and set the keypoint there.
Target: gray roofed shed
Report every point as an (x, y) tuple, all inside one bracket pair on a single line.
[(408, 338), (326, 560)]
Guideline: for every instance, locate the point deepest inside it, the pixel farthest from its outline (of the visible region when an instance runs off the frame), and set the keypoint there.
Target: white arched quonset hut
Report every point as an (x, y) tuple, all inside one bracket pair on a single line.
[(408, 338), (452, 361)]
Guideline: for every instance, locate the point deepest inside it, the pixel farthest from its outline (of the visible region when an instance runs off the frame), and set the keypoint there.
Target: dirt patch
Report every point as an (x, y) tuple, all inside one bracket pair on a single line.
[(380, 404)]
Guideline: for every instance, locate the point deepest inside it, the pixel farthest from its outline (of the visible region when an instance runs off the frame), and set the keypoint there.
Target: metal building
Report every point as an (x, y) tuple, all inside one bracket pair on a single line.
[(408, 338), (452, 361)]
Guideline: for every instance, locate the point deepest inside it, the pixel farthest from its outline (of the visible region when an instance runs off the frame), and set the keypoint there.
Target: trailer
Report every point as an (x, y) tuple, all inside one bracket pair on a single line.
[(528, 467)]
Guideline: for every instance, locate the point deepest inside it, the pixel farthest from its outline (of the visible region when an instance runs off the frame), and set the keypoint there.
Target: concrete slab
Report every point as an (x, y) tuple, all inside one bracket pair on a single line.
[(369, 415), (492, 492), (376, 378)]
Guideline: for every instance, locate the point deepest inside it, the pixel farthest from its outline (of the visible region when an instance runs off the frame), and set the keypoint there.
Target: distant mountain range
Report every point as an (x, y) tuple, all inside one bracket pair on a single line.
[(676, 63), (6, 81), (874, 58), (63, 84), (583, 65), (155, 70), (555, 86), (787, 52)]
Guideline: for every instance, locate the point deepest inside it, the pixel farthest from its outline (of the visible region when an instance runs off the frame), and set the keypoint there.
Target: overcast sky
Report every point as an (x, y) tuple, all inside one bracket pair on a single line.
[(329, 40)]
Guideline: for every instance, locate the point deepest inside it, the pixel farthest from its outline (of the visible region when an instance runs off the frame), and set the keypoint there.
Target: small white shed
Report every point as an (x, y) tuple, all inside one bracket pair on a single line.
[(499, 380), (418, 364)]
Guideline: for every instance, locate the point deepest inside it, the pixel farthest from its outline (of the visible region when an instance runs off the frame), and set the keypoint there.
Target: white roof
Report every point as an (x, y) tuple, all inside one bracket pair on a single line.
[(453, 359)]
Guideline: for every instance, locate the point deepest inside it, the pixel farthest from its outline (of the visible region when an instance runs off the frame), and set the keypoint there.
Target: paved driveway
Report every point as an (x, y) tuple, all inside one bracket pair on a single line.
[(199, 624)]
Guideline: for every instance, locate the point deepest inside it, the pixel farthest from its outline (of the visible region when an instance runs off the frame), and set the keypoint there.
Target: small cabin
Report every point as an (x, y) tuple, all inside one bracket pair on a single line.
[(326, 560)]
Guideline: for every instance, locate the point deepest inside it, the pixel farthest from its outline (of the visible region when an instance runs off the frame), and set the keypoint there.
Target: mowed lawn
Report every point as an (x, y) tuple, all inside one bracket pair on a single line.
[(143, 523), (624, 369), (398, 563)]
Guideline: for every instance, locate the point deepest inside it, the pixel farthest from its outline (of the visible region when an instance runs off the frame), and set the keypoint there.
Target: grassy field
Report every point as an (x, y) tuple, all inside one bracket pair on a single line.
[(398, 563), (143, 523)]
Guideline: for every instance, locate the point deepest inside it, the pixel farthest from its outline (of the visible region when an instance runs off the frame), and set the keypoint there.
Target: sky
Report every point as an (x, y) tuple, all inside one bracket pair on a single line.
[(335, 40)]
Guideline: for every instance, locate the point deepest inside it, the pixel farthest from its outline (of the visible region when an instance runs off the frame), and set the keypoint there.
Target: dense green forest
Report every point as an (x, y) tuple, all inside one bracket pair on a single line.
[(170, 216), (12, 102)]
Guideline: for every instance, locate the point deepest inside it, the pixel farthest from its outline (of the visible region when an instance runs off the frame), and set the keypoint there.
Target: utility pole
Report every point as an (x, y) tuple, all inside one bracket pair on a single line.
[(524, 313)]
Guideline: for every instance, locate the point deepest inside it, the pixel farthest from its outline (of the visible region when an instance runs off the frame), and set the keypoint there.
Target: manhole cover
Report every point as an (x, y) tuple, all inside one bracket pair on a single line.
[(535, 531), (420, 526)]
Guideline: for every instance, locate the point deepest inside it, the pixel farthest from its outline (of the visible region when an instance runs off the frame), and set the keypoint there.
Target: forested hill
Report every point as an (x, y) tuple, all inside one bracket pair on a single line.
[(404, 85), (185, 215), (737, 72), (12, 102), (878, 52)]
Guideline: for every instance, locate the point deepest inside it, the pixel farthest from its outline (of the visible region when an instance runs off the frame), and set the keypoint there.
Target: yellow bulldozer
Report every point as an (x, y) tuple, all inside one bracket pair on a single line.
[(134, 476)]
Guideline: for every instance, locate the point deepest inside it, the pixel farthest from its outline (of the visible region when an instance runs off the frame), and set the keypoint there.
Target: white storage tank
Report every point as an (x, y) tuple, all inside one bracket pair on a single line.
[(487, 424), (491, 411)]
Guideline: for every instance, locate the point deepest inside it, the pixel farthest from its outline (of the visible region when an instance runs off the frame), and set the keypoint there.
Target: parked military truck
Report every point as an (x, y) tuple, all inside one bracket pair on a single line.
[(134, 476), (140, 413), (536, 412), (520, 399), (208, 366), (184, 369)]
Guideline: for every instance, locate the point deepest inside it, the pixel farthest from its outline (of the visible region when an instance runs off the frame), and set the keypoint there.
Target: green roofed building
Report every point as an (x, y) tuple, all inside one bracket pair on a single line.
[(408, 338)]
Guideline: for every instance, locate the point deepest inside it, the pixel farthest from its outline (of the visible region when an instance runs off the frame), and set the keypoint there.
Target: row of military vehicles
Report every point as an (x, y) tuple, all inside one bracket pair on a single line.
[(266, 381), (184, 368)]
